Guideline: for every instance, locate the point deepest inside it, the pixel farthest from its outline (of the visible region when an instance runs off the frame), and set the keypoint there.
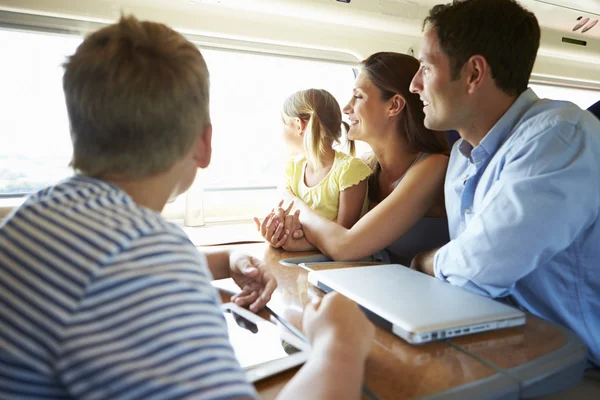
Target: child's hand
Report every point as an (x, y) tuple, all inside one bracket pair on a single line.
[(292, 224), (291, 221), (272, 229), (254, 278)]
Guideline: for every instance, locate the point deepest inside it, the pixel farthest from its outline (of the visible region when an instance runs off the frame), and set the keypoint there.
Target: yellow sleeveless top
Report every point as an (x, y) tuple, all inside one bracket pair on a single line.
[(324, 197)]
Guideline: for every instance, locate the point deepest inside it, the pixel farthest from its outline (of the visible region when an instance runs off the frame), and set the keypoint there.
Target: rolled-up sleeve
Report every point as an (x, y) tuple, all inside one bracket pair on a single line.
[(546, 196)]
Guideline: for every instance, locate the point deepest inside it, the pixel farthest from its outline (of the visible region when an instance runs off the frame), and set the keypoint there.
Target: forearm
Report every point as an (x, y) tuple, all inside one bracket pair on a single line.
[(424, 262), (328, 237), (218, 263), (298, 245), (319, 378)]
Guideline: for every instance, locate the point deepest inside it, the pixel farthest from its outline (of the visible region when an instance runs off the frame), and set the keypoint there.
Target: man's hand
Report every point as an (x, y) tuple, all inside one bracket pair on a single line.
[(423, 262), (255, 280), (336, 326)]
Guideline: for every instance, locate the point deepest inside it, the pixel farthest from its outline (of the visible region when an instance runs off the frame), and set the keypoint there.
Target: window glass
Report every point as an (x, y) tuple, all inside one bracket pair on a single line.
[(247, 92), (35, 146), (245, 111), (582, 97)]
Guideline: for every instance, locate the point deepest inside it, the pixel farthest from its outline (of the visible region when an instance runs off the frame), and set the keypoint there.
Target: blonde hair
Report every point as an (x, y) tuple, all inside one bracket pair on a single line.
[(323, 117), (137, 97)]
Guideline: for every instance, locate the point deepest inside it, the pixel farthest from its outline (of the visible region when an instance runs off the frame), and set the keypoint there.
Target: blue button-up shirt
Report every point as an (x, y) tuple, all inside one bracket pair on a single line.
[(523, 212)]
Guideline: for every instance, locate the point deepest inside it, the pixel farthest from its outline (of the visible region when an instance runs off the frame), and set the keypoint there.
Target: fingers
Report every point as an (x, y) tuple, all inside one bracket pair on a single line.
[(293, 225), (245, 297), (271, 230), (278, 238), (265, 224), (309, 314), (282, 236), (296, 221), (283, 239), (265, 294), (289, 207), (257, 223), (257, 292), (289, 223), (280, 214)]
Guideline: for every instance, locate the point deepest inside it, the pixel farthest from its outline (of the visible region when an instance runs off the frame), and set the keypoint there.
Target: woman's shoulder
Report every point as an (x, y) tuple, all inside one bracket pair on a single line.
[(433, 161), (433, 167)]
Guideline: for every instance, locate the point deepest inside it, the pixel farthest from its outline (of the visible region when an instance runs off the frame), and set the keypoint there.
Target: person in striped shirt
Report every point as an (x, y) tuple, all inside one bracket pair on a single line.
[(100, 297)]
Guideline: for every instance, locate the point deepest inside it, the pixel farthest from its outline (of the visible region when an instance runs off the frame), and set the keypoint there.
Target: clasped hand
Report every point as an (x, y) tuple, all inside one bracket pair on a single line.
[(280, 225)]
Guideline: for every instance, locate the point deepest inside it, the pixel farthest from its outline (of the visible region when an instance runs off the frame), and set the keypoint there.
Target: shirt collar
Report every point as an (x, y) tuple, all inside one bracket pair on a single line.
[(503, 128)]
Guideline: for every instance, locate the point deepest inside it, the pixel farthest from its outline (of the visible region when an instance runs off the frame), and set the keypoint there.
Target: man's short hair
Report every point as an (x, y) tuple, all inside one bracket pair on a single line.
[(502, 31), (137, 97)]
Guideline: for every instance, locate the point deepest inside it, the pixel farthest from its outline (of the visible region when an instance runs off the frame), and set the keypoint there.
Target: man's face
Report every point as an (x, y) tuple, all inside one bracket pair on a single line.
[(443, 99)]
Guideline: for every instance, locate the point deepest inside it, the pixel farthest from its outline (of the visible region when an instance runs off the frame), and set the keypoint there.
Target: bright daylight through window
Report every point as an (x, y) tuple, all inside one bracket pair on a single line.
[(247, 93)]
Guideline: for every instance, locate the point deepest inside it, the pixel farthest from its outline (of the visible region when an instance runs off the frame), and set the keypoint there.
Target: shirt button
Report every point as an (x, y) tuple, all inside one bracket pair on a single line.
[(467, 211)]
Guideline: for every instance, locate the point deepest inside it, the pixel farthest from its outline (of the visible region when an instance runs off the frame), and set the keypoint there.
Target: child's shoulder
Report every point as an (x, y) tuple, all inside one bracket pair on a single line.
[(350, 170), (346, 161), (293, 164)]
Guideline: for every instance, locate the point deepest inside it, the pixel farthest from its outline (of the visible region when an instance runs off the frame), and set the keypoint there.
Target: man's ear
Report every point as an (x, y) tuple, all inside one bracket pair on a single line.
[(397, 104), (475, 69), (203, 148)]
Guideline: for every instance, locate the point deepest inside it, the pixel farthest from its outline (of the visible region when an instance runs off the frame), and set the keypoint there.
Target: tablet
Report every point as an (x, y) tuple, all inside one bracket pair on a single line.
[(262, 348)]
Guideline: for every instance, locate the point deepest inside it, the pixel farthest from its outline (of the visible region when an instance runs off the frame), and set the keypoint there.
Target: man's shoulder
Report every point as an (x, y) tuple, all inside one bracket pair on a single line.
[(556, 119)]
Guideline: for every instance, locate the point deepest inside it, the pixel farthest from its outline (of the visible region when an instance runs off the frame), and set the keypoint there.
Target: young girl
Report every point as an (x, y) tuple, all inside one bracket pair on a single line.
[(332, 183)]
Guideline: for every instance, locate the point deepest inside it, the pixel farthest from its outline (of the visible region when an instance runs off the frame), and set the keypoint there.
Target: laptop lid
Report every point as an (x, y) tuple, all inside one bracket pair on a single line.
[(415, 306)]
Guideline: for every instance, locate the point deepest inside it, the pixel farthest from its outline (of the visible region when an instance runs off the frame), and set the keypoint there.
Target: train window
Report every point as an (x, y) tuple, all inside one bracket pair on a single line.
[(35, 148), (248, 153), (247, 92), (582, 97)]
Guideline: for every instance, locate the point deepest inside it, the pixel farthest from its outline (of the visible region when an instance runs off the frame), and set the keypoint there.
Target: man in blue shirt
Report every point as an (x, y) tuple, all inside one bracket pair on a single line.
[(523, 184)]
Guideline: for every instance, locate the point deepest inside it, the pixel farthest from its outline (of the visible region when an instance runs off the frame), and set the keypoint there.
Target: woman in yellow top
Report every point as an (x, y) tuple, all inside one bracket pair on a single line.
[(332, 183)]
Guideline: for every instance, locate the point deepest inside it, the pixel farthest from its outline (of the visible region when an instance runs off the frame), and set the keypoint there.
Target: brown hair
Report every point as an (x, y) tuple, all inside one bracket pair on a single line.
[(137, 97), (392, 73), (502, 31), (323, 117)]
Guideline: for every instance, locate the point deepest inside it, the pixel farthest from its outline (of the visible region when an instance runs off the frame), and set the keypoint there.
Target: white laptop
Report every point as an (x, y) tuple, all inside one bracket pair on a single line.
[(417, 307)]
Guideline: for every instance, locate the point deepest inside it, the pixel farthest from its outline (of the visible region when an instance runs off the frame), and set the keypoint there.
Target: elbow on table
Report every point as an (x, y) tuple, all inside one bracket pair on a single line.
[(339, 250)]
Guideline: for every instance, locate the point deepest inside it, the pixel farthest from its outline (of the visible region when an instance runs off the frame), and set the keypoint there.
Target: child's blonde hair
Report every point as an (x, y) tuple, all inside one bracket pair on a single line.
[(323, 117)]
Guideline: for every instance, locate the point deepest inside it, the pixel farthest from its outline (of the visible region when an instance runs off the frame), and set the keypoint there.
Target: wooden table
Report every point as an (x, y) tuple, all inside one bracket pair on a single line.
[(531, 360)]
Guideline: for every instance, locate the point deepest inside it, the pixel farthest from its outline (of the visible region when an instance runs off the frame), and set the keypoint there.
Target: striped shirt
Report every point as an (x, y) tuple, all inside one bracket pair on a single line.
[(103, 299)]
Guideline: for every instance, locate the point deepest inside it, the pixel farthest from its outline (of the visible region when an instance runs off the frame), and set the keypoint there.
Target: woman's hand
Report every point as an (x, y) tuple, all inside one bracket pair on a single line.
[(291, 221), (278, 224), (272, 229)]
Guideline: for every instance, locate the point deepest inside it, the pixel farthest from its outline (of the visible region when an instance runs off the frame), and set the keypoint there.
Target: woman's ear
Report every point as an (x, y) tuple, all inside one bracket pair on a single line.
[(397, 104)]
